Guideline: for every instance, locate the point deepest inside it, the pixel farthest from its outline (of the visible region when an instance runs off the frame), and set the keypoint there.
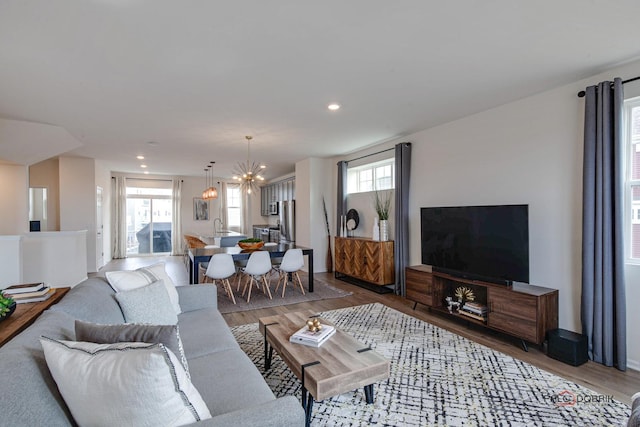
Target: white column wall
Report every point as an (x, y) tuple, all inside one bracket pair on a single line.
[(14, 199)]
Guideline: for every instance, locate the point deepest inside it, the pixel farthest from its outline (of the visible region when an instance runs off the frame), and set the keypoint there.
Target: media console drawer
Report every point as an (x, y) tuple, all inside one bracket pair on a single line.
[(524, 311), (419, 286)]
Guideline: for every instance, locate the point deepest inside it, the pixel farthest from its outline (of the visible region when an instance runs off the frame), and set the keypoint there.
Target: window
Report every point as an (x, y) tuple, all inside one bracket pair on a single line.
[(234, 206), (149, 213), (632, 178), (371, 177)]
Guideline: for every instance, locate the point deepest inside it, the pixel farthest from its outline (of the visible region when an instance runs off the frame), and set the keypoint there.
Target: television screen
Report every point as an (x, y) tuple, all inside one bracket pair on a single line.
[(489, 243)]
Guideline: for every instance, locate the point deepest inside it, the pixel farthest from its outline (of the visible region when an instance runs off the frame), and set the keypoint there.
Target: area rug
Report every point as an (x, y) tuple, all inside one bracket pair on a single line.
[(293, 295), (439, 378)]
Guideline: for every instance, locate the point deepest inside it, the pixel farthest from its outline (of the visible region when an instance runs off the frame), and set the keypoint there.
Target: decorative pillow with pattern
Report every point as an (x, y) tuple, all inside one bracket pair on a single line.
[(123, 384), (169, 335), (129, 280)]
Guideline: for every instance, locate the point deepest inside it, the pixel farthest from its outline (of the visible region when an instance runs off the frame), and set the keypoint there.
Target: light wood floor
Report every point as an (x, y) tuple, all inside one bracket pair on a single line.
[(608, 381)]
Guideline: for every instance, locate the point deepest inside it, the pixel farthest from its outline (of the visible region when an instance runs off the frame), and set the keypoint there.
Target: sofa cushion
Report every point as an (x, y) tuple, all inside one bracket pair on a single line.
[(199, 340), (123, 384), (147, 304), (228, 380), (27, 385), (128, 280), (169, 335), (92, 300)]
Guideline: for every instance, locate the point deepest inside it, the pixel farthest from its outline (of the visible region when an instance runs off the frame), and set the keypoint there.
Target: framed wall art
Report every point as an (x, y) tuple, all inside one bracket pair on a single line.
[(200, 209)]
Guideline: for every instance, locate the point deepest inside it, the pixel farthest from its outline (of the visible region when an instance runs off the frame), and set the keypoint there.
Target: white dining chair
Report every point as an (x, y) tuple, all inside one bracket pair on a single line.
[(221, 267), (291, 263), (257, 268)]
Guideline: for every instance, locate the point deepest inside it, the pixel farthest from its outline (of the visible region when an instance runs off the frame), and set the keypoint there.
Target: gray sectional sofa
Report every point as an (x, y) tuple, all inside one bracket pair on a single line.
[(229, 383)]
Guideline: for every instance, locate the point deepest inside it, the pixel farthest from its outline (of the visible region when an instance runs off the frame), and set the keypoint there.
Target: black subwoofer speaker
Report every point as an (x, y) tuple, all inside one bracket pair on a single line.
[(568, 347)]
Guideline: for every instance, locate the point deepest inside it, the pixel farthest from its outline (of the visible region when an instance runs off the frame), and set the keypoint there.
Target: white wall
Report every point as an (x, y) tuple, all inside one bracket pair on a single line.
[(192, 187), (14, 199), (312, 184), (528, 151), (59, 258), (10, 260), (78, 200)]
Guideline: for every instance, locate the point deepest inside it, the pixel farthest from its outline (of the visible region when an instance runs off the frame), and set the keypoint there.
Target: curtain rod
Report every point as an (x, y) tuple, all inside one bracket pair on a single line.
[(149, 179), (582, 93), (372, 154)]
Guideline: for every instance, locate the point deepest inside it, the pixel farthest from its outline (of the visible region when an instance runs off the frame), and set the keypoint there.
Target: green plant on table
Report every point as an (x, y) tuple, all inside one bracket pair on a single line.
[(251, 240), (382, 204), (5, 302)]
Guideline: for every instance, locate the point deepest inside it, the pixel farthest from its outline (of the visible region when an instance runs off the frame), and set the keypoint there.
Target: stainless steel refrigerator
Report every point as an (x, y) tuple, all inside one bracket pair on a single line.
[(287, 213)]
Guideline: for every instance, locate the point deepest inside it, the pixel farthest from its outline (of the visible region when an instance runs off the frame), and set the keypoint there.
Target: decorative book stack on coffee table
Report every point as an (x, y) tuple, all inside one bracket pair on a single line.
[(340, 365)]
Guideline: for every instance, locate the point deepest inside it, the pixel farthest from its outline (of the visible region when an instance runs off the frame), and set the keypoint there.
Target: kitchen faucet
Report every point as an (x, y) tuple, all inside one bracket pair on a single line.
[(214, 225)]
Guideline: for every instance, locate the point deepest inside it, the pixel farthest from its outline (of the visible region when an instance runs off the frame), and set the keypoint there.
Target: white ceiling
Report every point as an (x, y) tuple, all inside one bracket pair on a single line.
[(195, 76)]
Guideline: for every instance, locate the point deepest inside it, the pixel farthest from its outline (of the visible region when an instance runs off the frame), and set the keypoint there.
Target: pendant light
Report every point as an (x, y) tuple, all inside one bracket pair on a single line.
[(210, 191), (248, 173)]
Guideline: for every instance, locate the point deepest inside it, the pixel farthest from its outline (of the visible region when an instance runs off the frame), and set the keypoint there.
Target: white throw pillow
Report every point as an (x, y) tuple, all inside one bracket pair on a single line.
[(128, 280), (123, 384), (147, 304)]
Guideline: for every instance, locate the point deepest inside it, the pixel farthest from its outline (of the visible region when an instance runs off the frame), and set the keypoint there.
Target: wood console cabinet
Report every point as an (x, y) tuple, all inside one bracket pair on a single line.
[(523, 311), (365, 259)]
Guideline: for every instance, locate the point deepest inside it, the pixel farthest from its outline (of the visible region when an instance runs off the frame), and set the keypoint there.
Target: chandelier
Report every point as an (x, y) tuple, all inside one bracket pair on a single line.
[(210, 192), (248, 173)]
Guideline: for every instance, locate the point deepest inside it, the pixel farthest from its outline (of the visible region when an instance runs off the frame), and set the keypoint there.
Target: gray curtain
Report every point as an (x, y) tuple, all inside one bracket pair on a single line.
[(603, 289), (341, 205), (119, 218), (401, 247)]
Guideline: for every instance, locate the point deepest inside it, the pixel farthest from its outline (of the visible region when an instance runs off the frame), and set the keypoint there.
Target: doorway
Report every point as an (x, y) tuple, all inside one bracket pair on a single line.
[(149, 215)]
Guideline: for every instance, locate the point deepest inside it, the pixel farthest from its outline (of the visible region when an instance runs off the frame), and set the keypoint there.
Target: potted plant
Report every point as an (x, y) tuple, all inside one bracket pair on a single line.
[(251, 244), (7, 306), (382, 204)]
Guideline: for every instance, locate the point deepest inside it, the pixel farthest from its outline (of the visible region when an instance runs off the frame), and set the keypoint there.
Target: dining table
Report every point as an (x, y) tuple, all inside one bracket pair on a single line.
[(200, 255)]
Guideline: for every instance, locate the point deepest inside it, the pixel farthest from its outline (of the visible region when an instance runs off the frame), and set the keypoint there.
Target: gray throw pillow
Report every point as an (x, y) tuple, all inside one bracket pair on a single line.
[(169, 335), (148, 304)]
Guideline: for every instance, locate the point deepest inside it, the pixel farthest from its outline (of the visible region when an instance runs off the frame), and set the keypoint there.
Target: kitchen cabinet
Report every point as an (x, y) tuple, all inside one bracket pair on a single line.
[(275, 192)]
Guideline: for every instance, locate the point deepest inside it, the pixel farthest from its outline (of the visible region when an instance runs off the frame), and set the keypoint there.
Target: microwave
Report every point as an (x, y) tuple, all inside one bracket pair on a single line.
[(273, 208)]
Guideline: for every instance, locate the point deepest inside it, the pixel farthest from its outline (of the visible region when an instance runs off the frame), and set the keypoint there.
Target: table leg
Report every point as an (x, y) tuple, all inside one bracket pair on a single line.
[(191, 271), (311, 271), (368, 393), (308, 409), (268, 349)]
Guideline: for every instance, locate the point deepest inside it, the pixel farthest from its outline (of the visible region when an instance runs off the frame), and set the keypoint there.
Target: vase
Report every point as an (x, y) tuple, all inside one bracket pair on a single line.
[(384, 230), (376, 230)]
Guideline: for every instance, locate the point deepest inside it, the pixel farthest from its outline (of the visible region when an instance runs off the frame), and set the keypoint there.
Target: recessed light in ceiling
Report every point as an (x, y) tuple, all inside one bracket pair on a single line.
[(146, 172), (333, 107), (140, 157), (143, 166)]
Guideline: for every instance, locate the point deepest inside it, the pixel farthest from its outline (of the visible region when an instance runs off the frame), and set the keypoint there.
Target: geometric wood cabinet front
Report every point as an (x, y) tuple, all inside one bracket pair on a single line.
[(365, 259)]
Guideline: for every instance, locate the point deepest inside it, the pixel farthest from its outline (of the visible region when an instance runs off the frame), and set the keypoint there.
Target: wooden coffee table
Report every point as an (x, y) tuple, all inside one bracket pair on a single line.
[(26, 314), (340, 365)]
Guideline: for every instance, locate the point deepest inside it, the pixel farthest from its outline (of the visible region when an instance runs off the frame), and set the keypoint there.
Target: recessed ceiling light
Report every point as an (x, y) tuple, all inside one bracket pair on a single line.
[(143, 166), (146, 172), (140, 157), (333, 107)]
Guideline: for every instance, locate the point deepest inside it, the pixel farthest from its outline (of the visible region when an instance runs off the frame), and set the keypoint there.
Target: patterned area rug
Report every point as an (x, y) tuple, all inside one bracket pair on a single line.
[(292, 295), (439, 378)]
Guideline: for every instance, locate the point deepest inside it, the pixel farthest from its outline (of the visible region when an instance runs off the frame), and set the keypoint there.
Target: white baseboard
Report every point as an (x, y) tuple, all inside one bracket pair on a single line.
[(633, 364)]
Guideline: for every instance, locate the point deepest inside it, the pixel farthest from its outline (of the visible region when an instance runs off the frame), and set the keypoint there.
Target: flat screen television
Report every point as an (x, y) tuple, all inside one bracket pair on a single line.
[(488, 243)]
